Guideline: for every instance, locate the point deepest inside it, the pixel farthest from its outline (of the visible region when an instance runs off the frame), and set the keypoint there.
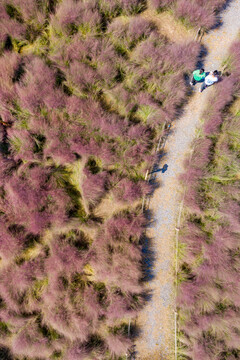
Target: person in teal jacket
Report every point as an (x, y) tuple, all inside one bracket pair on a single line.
[(197, 76)]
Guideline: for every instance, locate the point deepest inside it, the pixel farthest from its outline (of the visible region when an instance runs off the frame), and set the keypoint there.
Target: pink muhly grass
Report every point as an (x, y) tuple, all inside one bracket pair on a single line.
[(59, 152), (18, 279), (223, 96), (235, 51), (37, 87), (116, 269), (213, 124), (82, 75), (69, 12), (118, 29), (10, 26), (136, 131), (14, 282), (176, 88), (205, 272), (229, 239), (181, 56), (25, 201), (64, 258), (120, 226), (127, 273), (128, 190), (201, 152), (225, 91), (191, 200), (204, 322), (145, 50), (159, 4), (231, 211), (199, 352), (16, 322), (94, 186), (216, 256), (76, 352), (96, 51), (187, 295), (194, 245), (30, 343), (74, 105), (22, 144), (29, 9), (92, 307), (132, 6), (191, 175), (136, 154), (9, 245), (6, 116), (8, 65), (119, 308), (79, 50), (110, 125), (6, 167), (117, 344), (59, 316), (195, 13)]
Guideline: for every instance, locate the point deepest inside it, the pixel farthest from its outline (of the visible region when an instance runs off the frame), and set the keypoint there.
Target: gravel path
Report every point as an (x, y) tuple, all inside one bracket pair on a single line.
[(156, 321)]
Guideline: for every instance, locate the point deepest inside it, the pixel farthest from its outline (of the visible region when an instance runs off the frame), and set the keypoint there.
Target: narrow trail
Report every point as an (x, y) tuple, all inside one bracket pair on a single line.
[(156, 321)]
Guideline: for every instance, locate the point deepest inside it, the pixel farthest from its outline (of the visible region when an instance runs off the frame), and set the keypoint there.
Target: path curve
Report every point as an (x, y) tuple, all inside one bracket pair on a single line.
[(156, 321)]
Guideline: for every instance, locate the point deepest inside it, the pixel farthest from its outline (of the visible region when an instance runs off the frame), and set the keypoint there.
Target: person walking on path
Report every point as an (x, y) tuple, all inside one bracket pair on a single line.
[(197, 76), (209, 80)]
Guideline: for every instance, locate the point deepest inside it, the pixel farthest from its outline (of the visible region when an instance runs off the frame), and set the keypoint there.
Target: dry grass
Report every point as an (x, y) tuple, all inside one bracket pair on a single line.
[(107, 207), (76, 178), (235, 108), (169, 26)]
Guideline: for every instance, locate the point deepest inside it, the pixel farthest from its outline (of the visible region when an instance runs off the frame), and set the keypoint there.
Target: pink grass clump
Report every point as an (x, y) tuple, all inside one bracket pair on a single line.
[(30, 343), (160, 4), (30, 9), (10, 27), (64, 258), (199, 352), (182, 55), (37, 87), (235, 51), (94, 186), (69, 12), (195, 13), (9, 245), (6, 168), (119, 307), (223, 96), (24, 202), (123, 227), (22, 144), (82, 75), (8, 66), (59, 316), (77, 352), (140, 28), (117, 344), (128, 190)]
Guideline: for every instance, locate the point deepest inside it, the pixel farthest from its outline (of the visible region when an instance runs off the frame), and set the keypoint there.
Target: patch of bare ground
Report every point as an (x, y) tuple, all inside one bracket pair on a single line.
[(168, 26), (107, 208)]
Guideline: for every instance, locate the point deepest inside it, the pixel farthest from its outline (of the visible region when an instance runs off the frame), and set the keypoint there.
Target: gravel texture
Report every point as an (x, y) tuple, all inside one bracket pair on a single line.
[(156, 321)]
